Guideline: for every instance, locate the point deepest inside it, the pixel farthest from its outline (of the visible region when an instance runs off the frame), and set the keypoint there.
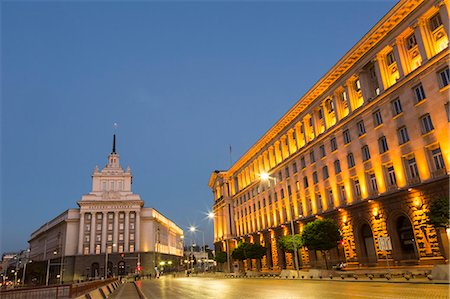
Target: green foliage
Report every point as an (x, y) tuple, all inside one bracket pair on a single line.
[(248, 251), (221, 257), (286, 243), (438, 213), (321, 234)]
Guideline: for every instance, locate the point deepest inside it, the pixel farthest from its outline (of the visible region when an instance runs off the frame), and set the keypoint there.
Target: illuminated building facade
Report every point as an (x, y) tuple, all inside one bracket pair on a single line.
[(111, 226), (367, 145)]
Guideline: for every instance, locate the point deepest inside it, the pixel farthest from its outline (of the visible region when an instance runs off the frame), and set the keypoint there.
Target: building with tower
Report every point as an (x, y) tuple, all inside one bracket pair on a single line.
[(367, 146), (111, 233)]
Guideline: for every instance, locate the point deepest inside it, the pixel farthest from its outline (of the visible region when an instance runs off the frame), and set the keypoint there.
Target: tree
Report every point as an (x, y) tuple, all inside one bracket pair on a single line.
[(321, 234), (438, 216), (221, 257), (248, 251), (286, 243)]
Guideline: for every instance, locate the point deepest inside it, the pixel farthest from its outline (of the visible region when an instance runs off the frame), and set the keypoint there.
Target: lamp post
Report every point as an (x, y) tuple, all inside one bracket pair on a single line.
[(27, 260), (106, 259), (211, 215), (193, 229), (266, 177)]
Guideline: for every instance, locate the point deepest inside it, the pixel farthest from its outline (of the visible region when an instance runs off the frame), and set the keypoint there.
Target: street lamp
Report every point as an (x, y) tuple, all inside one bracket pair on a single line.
[(193, 229), (106, 259), (211, 216), (266, 178)]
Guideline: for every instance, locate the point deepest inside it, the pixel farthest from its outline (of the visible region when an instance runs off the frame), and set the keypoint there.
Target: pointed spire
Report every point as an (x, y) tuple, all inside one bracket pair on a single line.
[(114, 139)]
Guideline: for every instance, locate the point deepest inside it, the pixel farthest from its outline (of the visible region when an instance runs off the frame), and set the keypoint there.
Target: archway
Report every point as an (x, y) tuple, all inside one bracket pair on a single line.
[(368, 251), (95, 269), (406, 239), (121, 268)]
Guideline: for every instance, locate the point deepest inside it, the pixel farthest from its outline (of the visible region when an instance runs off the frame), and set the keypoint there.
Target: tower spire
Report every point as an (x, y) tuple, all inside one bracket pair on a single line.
[(114, 139)]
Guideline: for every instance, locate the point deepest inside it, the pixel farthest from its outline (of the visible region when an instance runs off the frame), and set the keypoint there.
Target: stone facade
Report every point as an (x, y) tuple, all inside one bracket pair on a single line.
[(367, 145), (111, 227)]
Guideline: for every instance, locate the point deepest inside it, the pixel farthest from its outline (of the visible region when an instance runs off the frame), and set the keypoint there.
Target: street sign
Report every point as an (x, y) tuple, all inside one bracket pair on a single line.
[(384, 243)]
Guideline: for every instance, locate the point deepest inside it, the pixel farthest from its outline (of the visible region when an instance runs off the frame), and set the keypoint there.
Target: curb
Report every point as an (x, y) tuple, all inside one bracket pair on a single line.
[(139, 291)]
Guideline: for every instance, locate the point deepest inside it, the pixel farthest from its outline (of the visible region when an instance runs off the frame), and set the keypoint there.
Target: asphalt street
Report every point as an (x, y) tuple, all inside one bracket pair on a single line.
[(199, 288)]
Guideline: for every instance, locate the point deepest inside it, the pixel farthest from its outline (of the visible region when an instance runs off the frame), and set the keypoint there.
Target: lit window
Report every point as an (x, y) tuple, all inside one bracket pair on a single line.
[(403, 136), (322, 151), (396, 106), (121, 215), (337, 167), (365, 152), (110, 236), (444, 77), (330, 105), (132, 225), (99, 227), (427, 124), (333, 144), (357, 85), (377, 119), (132, 215), (120, 237), (110, 226), (131, 247), (343, 193), (350, 160), (373, 182), (319, 201), (88, 216), (347, 138), (391, 176), (437, 158), (110, 216), (86, 250), (97, 249), (131, 237), (121, 248), (382, 144), (361, 128), (121, 226), (325, 172), (419, 93), (99, 216), (330, 199)]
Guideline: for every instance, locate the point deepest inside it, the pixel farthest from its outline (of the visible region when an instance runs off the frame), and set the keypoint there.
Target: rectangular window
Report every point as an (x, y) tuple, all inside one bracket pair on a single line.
[(333, 144), (120, 237), (121, 226), (131, 237), (365, 152), (419, 93), (337, 167), (99, 227), (287, 171), (447, 110), (302, 162), (343, 193), (120, 187), (357, 85), (390, 58), (132, 225), (330, 199), (391, 176), (289, 190), (411, 41), (282, 193), (396, 106), (280, 176), (275, 196), (86, 250), (86, 238), (350, 160), (382, 144), (99, 216), (110, 216), (444, 77), (103, 186), (347, 137), (435, 22), (319, 201), (373, 182), (110, 237), (88, 216), (132, 215), (315, 177), (377, 119), (403, 136), (294, 167), (412, 168), (98, 238), (297, 185), (357, 188), (312, 157), (322, 151), (305, 182), (131, 247), (121, 215), (427, 124), (361, 128), (437, 158), (111, 187), (87, 227), (120, 248), (325, 172)]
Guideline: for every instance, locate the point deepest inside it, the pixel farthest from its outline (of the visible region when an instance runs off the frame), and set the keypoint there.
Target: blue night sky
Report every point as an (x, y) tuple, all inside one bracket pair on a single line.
[(183, 80)]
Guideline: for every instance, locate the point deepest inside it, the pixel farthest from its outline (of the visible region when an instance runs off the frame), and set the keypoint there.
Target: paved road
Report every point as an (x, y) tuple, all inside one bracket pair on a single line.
[(200, 288), (125, 291)]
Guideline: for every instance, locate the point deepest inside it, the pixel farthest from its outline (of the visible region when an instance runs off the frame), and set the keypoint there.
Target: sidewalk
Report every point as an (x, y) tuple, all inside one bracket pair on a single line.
[(126, 291)]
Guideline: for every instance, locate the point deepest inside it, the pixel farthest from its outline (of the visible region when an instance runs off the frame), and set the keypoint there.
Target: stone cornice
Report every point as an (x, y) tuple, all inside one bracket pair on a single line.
[(375, 35)]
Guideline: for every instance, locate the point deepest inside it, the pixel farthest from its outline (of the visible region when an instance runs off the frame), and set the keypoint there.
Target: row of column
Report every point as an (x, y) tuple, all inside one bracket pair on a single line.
[(104, 231)]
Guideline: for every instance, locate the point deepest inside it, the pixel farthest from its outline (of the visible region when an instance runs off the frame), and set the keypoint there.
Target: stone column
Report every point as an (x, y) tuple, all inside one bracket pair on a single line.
[(92, 240), (443, 12), (398, 60), (137, 231), (127, 232), (337, 112), (104, 230), (81, 234), (116, 231), (380, 82), (347, 99)]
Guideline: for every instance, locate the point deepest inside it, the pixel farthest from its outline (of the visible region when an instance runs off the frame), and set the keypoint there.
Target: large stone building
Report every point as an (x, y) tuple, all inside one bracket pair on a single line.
[(367, 145), (111, 226)]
